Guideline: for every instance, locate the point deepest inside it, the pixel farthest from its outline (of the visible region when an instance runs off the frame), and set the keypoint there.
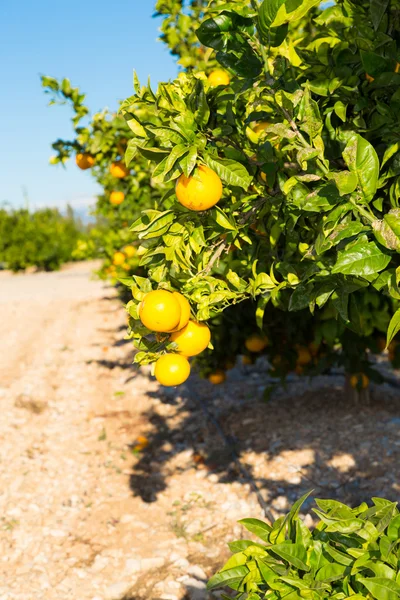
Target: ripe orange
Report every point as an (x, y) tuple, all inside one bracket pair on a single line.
[(119, 170), (263, 176), (192, 339), (200, 191), (397, 67), (172, 369), (369, 78), (141, 443), (361, 379), (303, 356), (218, 77), (85, 161), (185, 310), (126, 267), (260, 127), (217, 377), (130, 251), (256, 342), (117, 198), (160, 311), (119, 259)]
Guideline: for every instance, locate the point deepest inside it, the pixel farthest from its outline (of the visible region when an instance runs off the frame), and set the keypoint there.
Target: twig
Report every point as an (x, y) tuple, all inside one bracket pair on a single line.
[(214, 258)]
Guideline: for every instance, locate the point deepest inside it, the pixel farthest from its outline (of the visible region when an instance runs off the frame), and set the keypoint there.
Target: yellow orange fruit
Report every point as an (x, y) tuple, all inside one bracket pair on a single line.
[(119, 170), (160, 311), (130, 251), (397, 67), (172, 369), (185, 310), (256, 342), (217, 377), (85, 160), (141, 442), (119, 259), (359, 380), (192, 339), (263, 176), (369, 78), (199, 191), (218, 77), (303, 356), (117, 198), (126, 267), (260, 127)]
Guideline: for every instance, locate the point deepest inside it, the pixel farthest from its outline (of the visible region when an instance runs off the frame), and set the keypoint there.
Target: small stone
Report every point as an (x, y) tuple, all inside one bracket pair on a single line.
[(117, 591), (181, 563), (197, 572)]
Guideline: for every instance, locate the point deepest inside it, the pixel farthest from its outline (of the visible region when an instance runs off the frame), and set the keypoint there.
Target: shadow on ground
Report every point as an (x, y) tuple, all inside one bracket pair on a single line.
[(302, 438)]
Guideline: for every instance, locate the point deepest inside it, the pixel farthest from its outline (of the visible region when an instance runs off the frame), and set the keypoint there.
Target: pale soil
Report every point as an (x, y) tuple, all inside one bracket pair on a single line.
[(82, 517), (70, 525)]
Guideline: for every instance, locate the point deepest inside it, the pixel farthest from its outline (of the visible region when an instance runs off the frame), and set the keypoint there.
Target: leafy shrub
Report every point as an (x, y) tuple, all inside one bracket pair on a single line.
[(351, 553), (45, 238)]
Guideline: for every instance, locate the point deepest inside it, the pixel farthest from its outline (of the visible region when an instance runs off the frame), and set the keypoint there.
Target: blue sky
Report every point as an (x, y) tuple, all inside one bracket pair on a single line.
[(96, 44)]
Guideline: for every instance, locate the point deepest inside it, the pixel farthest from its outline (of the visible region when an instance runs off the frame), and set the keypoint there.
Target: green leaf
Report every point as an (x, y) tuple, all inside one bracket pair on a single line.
[(230, 171), (381, 588), (176, 153), (394, 327), (258, 527), (361, 258), (362, 159), (229, 577), (222, 219), (301, 297), (187, 163), (340, 110), (274, 13), (331, 572), (377, 9), (346, 181), (294, 554)]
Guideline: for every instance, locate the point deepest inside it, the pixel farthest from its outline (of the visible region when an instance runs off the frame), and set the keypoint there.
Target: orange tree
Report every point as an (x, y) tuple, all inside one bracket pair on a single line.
[(280, 179), (98, 146), (100, 143), (43, 238)]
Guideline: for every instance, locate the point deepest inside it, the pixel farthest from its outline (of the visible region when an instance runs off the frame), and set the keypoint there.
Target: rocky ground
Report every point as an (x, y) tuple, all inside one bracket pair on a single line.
[(90, 510)]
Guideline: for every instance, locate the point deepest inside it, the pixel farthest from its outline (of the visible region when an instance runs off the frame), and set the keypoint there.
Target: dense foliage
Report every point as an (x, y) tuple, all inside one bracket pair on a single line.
[(44, 238), (351, 553), (295, 109), (306, 145)]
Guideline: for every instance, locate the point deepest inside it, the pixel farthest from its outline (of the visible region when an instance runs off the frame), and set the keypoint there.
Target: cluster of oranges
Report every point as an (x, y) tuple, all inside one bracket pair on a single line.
[(120, 260), (85, 161), (168, 313)]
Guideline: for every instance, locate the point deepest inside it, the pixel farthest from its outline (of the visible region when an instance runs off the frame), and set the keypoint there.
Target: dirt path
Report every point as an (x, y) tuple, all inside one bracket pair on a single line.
[(83, 515), (75, 522)]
